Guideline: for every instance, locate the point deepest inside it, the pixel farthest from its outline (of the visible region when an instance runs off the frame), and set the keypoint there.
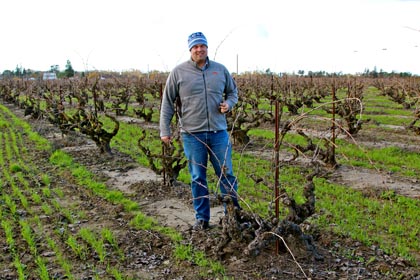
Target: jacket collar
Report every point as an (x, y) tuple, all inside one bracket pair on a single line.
[(192, 62)]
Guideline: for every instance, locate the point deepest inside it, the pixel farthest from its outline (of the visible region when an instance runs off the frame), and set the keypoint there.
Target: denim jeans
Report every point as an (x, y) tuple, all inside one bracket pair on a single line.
[(198, 148)]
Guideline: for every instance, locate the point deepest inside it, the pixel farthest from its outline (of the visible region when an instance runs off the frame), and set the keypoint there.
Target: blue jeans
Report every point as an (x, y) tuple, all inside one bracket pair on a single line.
[(198, 148)]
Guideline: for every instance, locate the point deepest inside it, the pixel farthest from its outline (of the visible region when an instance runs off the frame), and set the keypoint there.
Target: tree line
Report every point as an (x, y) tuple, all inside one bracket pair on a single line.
[(21, 72), (68, 72)]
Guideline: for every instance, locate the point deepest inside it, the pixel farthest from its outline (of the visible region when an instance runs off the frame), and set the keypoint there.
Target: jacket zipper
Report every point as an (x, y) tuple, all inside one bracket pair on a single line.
[(207, 105)]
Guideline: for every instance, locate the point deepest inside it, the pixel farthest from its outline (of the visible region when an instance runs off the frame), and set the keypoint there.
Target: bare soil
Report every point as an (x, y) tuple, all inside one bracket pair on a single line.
[(148, 255)]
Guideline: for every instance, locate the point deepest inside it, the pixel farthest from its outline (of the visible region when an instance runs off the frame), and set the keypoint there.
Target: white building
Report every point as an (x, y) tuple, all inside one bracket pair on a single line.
[(49, 76)]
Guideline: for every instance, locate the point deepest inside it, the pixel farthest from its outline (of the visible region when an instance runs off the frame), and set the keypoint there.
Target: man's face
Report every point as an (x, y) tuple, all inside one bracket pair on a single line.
[(199, 53)]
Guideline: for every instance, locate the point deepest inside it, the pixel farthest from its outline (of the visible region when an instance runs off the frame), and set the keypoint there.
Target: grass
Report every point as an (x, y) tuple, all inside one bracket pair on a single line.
[(97, 244), (394, 159), (127, 138), (77, 248), (109, 237), (188, 253), (86, 178), (390, 221), (67, 267), (141, 221), (28, 236), (28, 197)]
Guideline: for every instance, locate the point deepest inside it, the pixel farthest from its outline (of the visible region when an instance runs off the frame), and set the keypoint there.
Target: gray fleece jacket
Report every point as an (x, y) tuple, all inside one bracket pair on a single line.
[(201, 91)]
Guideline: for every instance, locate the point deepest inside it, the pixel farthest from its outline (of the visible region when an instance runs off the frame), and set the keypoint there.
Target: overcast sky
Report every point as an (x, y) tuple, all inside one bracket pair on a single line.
[(346, 36)]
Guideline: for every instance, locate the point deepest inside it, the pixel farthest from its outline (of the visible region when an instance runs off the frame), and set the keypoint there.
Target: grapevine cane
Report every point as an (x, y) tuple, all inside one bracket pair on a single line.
[(333, 118), (164, 167)]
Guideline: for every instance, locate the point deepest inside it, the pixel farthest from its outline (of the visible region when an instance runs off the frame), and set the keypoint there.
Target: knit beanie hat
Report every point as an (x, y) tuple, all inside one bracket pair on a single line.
[(195, 39)]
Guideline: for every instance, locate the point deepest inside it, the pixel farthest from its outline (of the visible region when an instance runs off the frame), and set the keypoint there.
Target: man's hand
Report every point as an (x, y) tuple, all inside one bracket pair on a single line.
[(166, 139), (224, 107)]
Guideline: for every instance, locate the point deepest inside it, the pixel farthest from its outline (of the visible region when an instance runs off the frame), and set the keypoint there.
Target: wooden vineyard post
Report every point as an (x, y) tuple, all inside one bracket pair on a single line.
[(333, 118), (276, 163)]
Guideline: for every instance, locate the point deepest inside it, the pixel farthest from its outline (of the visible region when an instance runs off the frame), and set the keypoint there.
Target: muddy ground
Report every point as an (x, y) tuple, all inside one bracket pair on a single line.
[(148, 254)]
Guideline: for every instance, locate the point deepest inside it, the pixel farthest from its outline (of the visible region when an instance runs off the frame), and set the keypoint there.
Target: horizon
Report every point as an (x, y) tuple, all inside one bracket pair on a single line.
[(374, 69)]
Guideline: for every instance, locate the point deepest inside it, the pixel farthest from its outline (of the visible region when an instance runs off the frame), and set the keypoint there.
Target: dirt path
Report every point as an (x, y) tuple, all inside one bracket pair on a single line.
[(170, 211), (368, 180)]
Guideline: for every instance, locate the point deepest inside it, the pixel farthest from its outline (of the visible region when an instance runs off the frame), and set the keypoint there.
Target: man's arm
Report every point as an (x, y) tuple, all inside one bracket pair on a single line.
[(167, 108)]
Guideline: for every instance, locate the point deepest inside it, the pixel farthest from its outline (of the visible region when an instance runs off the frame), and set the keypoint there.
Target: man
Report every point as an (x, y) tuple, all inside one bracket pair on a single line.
[(206, 91)]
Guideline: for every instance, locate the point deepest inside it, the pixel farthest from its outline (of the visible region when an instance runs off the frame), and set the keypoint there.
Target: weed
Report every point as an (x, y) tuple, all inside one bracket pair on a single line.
[(143, 222), (78, 249), (45, 179), (97, 244), (183, 252), (14, 168), (42, 269)]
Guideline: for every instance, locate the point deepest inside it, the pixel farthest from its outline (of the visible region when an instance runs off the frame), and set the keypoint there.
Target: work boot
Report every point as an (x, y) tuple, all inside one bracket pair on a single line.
[(201, 225)]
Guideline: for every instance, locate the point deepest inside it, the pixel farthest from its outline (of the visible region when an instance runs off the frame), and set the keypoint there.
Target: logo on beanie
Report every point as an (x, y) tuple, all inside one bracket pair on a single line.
[(195, 39)]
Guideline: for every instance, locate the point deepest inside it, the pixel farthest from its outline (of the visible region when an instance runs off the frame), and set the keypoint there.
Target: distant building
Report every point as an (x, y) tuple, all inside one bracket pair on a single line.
[(49, 76)]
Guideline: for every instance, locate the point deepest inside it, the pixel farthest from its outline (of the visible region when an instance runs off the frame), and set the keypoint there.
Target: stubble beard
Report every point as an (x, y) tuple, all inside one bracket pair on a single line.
[(200, 57)]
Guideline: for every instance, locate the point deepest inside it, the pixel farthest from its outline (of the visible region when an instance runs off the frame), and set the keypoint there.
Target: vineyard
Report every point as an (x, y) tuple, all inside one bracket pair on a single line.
[(328, 171)]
